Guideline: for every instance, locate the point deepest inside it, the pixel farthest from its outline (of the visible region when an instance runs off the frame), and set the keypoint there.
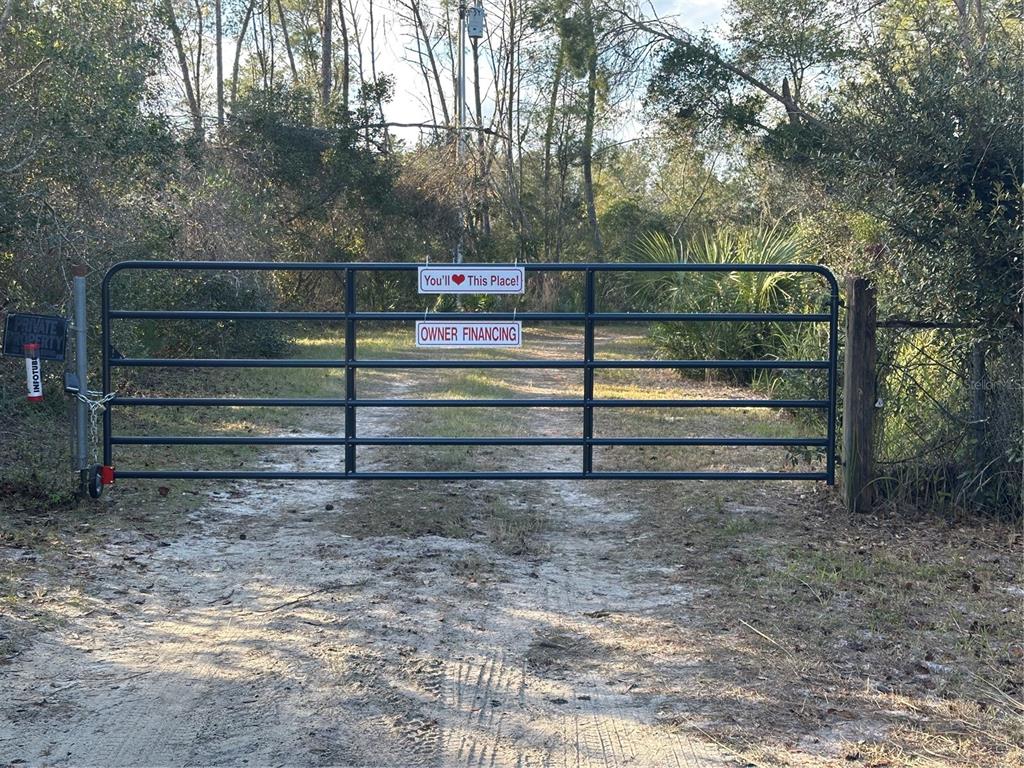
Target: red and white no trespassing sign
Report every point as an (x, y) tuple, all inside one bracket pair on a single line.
[(466, 333), (459, 278)]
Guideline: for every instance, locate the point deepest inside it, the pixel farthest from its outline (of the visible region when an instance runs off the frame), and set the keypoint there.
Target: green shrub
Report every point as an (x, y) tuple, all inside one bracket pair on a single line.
[(927, 450), (193, 289)]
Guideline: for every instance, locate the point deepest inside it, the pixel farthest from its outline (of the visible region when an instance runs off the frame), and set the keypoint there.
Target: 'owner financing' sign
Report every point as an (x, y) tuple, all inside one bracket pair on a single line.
[(468, 333), (458, 278)]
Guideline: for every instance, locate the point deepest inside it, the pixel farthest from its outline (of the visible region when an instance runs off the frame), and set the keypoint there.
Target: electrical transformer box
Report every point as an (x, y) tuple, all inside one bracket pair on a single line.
[(475, 21)]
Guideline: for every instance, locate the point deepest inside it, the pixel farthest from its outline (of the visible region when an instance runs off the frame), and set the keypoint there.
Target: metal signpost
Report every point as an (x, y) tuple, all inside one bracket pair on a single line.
[(501, 326), (44, 337), (81, 382)]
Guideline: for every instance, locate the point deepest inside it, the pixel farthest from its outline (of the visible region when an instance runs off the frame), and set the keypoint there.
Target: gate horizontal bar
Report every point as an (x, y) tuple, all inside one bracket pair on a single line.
[(598, 475), (580, 364), (598, 441), (394, 266), (187, 314), (190, 314), (225, 362), (774, 317), (534, 403), (467, 441), (197, 362), (606, 316), (221, 440), (284, 402), (596, 403)]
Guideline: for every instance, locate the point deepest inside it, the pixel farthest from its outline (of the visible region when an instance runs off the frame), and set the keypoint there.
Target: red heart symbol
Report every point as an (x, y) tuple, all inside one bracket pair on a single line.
[(458, 279)]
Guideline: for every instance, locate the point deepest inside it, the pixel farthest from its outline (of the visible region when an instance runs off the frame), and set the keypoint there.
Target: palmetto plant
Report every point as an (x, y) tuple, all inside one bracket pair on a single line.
[(738, 291), (731, 291)]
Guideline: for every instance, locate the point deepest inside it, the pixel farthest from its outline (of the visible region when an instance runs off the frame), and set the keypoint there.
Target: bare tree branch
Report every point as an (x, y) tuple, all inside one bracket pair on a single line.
[(238, 50), (28, 156), (190, 95), (435, 126), (663, 31)]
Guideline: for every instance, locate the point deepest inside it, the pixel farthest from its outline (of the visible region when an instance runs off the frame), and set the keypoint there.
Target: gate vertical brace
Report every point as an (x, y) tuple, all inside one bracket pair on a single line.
[(833, 375), (588, 374), (350, 370), (105, 344)]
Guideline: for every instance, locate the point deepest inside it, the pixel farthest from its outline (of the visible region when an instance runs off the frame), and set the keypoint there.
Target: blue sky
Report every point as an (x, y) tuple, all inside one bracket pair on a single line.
[(692, 13)]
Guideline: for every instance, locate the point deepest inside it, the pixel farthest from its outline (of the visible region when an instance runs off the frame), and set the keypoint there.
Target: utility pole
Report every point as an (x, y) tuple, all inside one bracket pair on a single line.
[(460, 122), (471, 19)]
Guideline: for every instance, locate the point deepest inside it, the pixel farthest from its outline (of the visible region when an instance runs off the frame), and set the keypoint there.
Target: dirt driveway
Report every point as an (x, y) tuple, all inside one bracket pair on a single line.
[(480, 624), (270, 636), (266, 637)]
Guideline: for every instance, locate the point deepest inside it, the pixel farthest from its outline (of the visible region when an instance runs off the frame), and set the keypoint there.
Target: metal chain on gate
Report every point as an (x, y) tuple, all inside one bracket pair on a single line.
[(96, 402)]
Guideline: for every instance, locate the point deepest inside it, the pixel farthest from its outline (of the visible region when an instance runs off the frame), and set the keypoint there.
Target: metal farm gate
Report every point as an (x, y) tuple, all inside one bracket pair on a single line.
[(352, 316)]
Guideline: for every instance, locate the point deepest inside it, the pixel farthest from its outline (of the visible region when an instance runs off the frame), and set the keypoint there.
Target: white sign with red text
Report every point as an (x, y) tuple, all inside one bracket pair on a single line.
[(468, 333), (459, 278)]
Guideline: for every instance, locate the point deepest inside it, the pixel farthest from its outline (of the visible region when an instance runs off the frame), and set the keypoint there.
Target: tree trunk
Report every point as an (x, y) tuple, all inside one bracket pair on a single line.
[(197, 67), (357, 38), (186, 78), (269, 86), (514, 201), (426, 78), (587, 150), (287, 42), (415, 7), (792, 112), (259, 43), (549, 133), (373, 76), (326, 56), (238, 50), (344, 58), (219, 31), (5, 17), (563, 182)]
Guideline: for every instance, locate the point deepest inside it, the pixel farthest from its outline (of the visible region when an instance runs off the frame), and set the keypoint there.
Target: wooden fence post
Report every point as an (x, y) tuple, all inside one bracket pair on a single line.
[(859, 394)]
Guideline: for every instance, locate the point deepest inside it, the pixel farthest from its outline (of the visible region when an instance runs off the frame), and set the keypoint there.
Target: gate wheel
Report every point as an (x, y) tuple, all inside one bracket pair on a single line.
[(94, 482)]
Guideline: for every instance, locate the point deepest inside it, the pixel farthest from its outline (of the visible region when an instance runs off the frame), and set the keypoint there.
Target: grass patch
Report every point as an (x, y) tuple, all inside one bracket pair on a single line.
[(474, 567), (862, 614), (407, 511), (554, 650), (515, 530)]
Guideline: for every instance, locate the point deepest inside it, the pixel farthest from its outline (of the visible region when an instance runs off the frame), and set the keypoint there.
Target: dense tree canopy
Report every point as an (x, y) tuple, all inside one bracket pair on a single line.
[(905, 111)]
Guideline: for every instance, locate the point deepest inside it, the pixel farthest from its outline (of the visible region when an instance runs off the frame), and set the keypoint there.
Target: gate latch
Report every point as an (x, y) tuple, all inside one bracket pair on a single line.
[(71, 385)]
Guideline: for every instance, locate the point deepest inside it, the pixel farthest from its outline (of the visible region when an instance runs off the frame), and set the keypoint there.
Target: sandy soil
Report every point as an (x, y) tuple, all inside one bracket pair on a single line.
[(265, 636), (509, 623)]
